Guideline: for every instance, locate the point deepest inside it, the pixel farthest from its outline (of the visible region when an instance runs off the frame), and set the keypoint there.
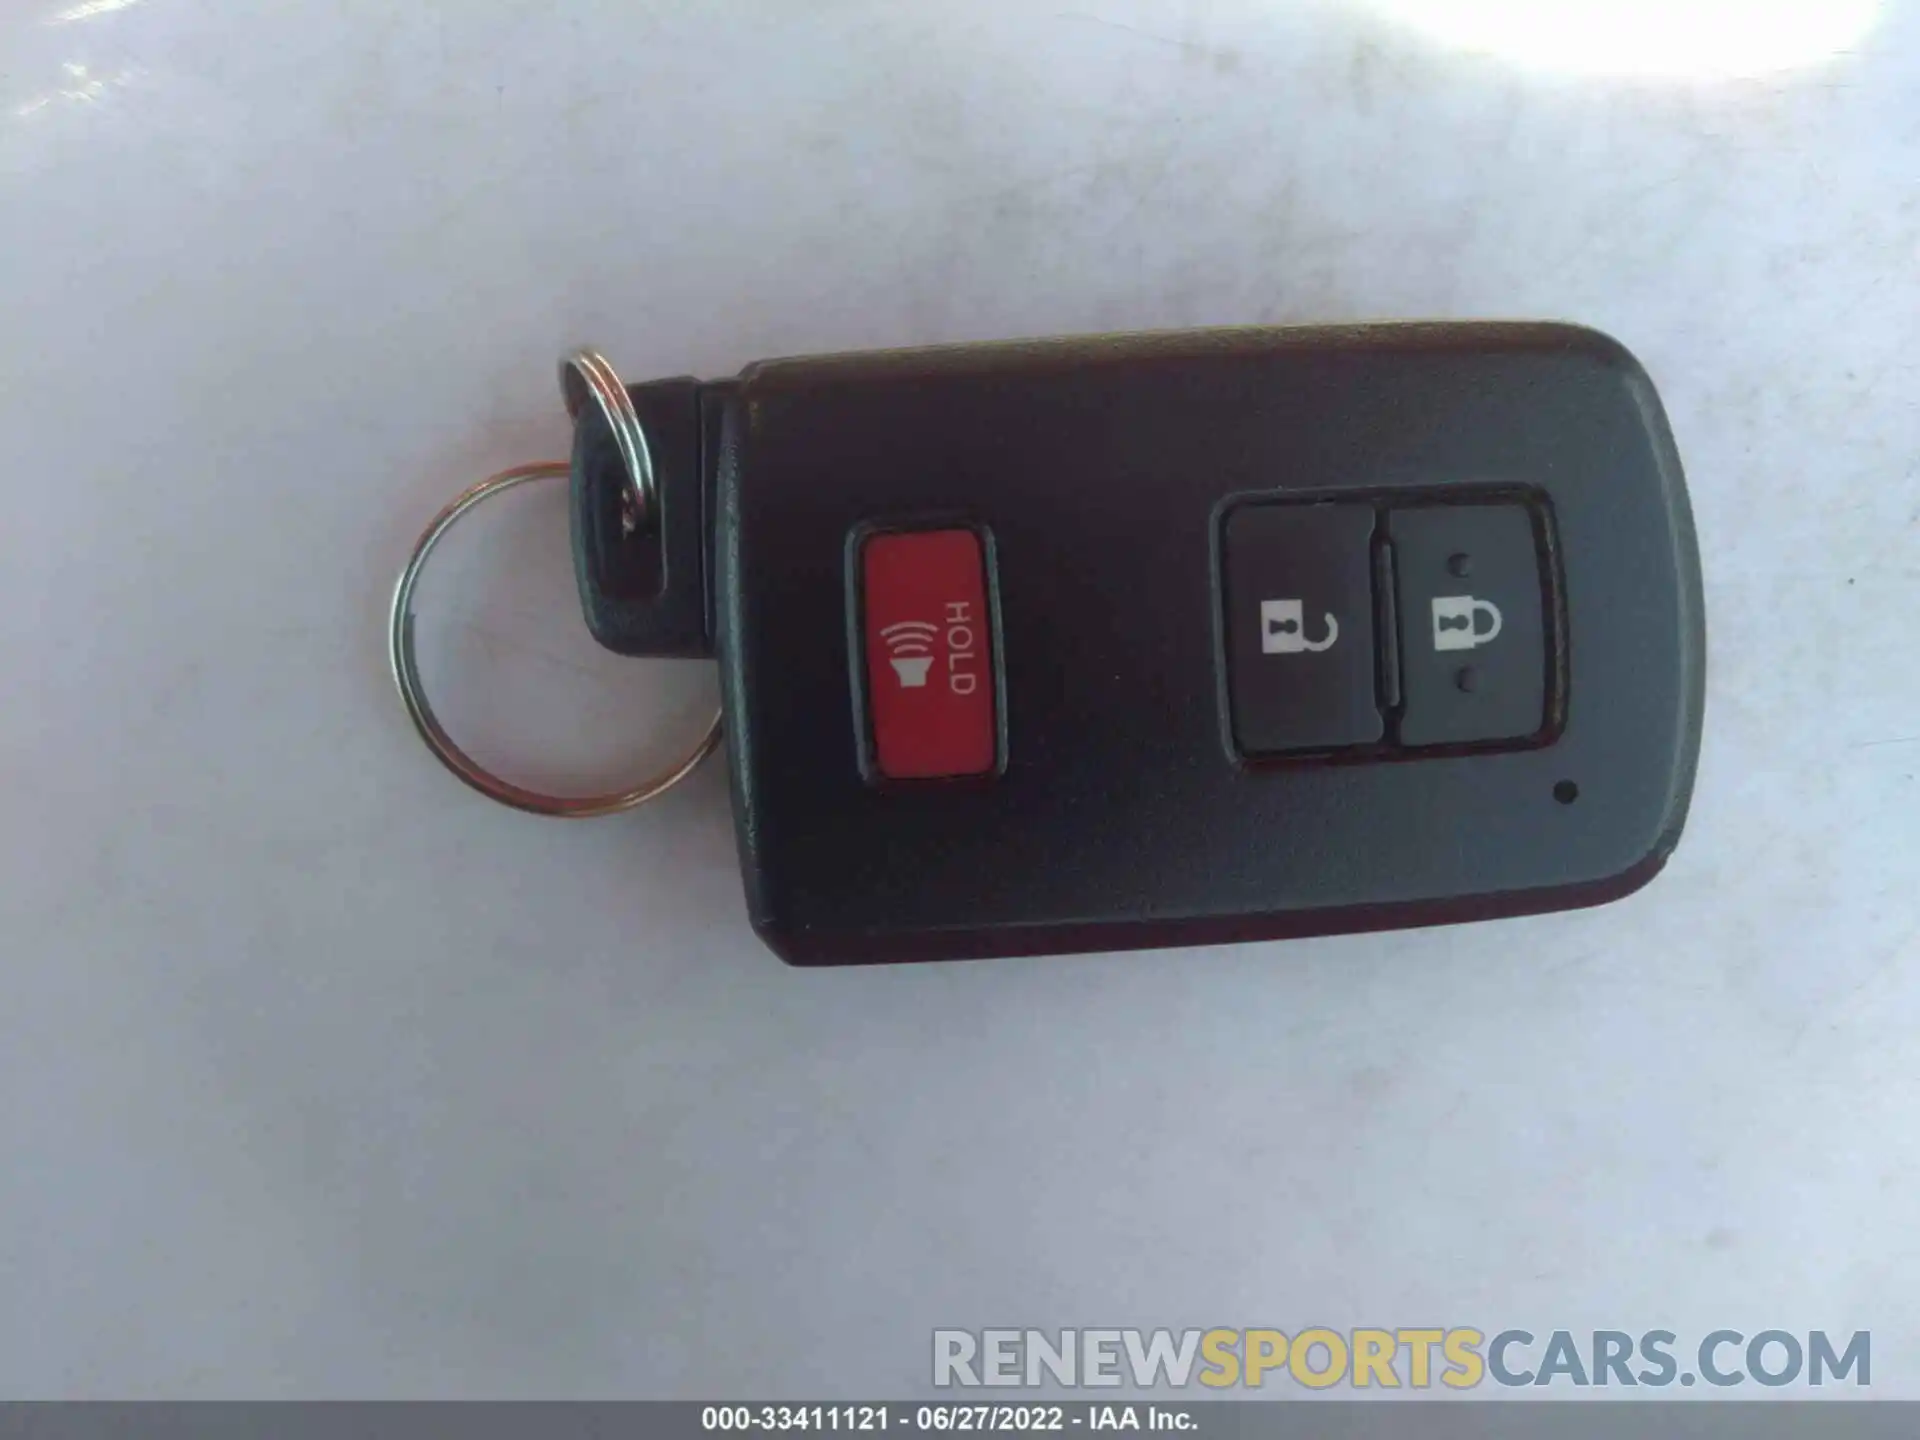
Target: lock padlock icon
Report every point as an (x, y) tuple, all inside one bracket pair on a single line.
[(1456, 622)]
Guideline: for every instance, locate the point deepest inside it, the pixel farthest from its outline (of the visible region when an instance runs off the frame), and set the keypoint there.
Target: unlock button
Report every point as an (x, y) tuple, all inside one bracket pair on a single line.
[(1299, 627), (1473, 649)]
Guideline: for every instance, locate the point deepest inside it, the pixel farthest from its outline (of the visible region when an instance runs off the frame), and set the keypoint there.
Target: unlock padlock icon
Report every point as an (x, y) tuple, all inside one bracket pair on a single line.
[(1456, 622), (1283, 629)]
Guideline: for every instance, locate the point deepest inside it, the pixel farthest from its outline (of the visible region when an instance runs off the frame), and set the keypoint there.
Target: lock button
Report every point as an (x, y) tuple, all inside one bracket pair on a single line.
[(1473, 635), (1299, 613)]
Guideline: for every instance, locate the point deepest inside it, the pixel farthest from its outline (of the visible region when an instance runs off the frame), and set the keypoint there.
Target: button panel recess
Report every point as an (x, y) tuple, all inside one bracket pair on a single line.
[(928, 636), (1378, 626)]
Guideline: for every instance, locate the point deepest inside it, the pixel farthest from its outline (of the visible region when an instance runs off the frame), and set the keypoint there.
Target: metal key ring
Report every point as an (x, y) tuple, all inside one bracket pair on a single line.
[(587, 374), (406, 676)]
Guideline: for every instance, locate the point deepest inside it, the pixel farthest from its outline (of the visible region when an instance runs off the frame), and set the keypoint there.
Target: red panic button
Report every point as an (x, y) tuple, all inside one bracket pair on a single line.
[(929, 641)]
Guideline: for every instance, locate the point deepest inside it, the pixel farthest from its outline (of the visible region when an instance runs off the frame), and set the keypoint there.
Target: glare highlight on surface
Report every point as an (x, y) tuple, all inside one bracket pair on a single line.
[(1676, 39), (89, 10), (83, 87)]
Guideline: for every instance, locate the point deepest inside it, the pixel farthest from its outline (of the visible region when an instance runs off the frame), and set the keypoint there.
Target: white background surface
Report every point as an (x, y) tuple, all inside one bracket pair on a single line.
[(319, 1075)]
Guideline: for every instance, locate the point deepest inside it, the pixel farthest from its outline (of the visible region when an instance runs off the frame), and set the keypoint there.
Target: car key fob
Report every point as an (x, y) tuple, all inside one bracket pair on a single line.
[(1170, 639)]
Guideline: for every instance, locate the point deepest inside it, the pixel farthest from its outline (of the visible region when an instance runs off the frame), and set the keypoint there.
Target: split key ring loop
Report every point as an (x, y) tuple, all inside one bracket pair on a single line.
[(406, 676)]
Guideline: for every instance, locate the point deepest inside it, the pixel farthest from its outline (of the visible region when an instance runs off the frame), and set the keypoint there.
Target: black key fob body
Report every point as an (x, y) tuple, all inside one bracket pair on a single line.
[(1172, 639)]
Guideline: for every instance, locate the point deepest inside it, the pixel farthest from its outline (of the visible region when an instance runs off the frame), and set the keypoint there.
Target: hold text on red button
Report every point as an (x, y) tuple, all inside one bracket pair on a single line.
[(929, 654)]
